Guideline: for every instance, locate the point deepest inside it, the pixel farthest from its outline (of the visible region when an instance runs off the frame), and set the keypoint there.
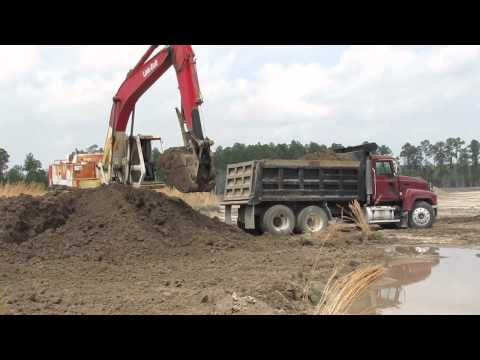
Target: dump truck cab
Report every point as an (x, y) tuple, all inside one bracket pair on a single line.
[(283, 196), (404, 192)]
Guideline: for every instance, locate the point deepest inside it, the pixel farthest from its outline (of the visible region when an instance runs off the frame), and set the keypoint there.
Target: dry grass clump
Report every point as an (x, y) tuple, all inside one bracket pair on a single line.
[(3, 305), (331, 232), (195, 200), (338, 296), (11, 190), (360, 219)]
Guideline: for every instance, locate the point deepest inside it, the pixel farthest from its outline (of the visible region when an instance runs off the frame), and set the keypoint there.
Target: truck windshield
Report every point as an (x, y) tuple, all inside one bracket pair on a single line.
[(384, 168)]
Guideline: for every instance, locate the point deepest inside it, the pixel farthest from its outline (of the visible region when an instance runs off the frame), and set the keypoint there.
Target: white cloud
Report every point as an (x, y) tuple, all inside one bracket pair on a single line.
[(111, 57), (388, 94), (16, 60)]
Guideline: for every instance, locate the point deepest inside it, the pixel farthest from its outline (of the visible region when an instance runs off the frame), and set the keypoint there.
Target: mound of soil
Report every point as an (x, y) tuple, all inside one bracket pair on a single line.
[(24, 217), (327, 155), (109, 224)]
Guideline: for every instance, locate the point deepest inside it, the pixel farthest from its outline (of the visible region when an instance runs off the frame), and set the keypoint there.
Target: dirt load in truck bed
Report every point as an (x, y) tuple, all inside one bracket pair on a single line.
[(327, 155), (313, 162), (110, 223)]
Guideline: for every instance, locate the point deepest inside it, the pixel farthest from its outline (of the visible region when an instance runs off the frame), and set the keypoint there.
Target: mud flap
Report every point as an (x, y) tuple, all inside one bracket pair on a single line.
[(404, 220)]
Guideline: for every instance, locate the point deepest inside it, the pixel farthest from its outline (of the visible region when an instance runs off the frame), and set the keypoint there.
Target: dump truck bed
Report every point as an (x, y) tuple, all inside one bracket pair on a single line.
[(293, 180)]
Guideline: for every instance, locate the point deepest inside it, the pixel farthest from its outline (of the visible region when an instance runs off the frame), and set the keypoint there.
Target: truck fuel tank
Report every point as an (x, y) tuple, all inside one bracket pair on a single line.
[(381, 214)]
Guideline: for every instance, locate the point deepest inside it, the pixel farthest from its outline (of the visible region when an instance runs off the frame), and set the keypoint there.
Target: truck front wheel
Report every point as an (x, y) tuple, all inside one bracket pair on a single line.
[(422, 215), (278, 220), (312, 219)]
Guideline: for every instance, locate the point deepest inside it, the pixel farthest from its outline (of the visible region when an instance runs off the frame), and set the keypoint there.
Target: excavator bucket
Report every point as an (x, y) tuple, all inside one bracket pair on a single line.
[(187, 171)]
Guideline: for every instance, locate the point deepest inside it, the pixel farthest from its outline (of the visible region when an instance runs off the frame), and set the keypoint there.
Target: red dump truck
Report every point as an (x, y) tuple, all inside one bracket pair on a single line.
[(286, 196)]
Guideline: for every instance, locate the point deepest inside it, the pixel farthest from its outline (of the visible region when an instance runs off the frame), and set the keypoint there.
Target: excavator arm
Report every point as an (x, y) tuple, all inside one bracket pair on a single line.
[(189, 168)]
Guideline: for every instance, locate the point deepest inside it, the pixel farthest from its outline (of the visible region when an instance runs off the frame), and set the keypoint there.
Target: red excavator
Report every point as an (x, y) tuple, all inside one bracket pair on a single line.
[(128, 159)]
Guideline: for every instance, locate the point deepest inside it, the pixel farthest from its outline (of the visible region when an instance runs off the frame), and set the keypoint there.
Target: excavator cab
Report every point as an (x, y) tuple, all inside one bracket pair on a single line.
[(141, 169)]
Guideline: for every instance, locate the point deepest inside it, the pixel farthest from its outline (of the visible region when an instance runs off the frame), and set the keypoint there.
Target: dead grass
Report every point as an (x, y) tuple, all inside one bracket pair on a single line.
[(33, 189), (204, 201), (331, 233), (338, 296), (360, 219), (3, 303)]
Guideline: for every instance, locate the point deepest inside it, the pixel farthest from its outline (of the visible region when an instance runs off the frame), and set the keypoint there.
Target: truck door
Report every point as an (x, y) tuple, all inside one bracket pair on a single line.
[(385, 182)]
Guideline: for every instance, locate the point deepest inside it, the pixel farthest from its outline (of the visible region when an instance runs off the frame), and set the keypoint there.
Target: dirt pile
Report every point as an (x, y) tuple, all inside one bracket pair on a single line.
[(109, 223), (24, 217), (327, 155)]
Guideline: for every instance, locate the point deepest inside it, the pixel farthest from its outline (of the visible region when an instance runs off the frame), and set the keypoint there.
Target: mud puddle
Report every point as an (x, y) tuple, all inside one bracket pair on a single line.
[(426, 281)]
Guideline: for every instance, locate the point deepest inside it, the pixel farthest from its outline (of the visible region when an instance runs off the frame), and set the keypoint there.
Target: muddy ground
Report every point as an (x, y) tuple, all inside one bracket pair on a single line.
[(123, 251)]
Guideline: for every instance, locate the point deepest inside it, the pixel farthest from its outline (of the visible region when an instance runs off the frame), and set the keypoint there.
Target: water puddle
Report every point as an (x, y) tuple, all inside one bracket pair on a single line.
[(427, 281)]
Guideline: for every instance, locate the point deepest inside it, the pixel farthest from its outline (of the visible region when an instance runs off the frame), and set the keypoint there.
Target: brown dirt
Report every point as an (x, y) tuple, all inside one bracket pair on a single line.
[(108, 223), (458, 231), (327, 155), (117, 250)]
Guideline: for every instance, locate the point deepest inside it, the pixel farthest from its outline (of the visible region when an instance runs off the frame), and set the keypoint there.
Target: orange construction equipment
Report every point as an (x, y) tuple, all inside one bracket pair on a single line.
[(79, 172)]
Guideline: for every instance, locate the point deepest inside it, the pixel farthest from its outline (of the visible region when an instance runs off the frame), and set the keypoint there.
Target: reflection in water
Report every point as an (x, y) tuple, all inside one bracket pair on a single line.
[(387, 293)]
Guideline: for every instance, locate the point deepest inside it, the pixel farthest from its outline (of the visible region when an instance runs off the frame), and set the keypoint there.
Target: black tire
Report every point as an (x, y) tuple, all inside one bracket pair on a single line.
[(312, 219), (278, 220), (422, 216)]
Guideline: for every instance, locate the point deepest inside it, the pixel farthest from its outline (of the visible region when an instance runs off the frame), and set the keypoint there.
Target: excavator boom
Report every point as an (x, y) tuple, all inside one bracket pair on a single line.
[(189, 168)]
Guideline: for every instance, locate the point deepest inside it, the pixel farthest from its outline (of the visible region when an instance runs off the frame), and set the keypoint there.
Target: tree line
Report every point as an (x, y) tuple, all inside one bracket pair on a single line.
[(449, 163), (30, 172)]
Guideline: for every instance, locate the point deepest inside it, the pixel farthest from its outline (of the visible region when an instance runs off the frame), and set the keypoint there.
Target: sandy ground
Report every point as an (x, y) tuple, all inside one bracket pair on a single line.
[(458, 202), (458, 221), (269, 276)]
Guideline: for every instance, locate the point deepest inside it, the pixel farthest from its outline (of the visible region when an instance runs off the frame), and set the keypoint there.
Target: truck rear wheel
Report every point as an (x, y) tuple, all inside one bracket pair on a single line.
[(312, 219), (278, 220), (422, 215)]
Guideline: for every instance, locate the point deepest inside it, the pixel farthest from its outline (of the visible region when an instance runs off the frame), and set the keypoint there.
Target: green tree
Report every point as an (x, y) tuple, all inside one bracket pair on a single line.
[(458, 146), (408, 154), (450, 148), (313, 147), (427, 151), (160, 174), (464, 166), (31, 164), (15, 175), (282, 151), (439, 153), (384, 150), (335, 146), (296, 150), (440, 160), (474, 148), (427, 166), (34, 171), (39, 176), (4, 157)]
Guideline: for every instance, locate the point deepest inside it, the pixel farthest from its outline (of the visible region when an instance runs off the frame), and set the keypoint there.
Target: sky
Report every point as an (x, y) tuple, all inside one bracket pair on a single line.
[(58, 98)]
